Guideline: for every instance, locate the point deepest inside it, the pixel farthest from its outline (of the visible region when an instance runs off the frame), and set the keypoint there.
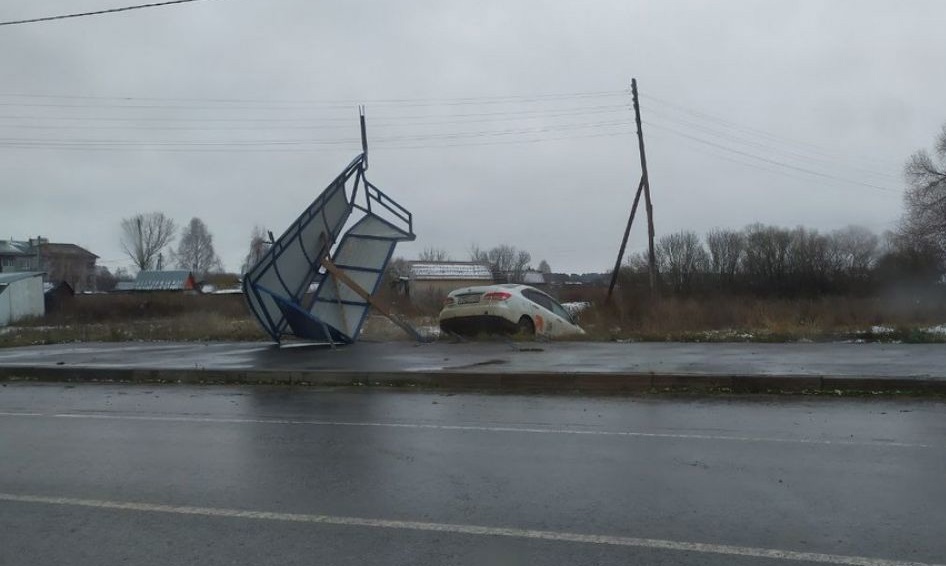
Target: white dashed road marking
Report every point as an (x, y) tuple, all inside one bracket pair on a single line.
[(474, 530), (469, 428)]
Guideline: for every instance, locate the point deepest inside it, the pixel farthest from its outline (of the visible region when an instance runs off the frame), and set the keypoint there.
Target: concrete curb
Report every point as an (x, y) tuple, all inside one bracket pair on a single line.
[(499, 382)]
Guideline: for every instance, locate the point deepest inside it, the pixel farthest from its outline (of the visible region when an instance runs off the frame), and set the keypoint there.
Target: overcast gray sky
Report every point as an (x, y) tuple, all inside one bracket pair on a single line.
[(492, 121)]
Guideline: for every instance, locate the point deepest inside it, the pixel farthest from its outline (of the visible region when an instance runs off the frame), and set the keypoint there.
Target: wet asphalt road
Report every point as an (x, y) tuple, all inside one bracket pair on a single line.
[(109, 474), (792, 359)]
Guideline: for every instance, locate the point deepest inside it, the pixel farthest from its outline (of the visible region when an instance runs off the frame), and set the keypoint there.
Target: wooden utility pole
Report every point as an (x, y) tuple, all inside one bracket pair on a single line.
[(627, 232), (643, 186), (651, 258)]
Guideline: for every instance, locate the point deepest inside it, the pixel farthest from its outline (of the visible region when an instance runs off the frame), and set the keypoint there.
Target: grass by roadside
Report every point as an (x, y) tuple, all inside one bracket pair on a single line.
[(175, 317), (749, 319)]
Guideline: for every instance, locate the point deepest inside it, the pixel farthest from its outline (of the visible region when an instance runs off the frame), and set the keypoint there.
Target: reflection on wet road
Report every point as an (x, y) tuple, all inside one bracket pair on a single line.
[(97, 474)]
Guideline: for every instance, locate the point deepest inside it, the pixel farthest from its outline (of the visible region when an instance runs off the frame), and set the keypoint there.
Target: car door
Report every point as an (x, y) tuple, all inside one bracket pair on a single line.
[(564, 323), (555, 319)]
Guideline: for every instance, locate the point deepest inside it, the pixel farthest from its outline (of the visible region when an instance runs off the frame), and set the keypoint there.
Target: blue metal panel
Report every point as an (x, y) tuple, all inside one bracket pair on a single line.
[(276, 287)]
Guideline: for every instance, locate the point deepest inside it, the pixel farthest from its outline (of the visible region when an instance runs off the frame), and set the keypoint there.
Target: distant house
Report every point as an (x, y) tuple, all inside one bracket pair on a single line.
[(60, 262), (68, 262), (441, 277), (149, 281), (534, 278), (21, 295), (16, 256)]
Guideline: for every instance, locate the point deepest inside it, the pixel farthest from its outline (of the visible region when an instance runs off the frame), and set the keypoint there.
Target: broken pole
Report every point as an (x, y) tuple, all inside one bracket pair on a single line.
[(627, 233)]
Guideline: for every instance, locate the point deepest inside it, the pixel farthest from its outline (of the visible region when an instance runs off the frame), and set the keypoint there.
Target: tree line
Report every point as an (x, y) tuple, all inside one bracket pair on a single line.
[(773, 260), (147, 237)]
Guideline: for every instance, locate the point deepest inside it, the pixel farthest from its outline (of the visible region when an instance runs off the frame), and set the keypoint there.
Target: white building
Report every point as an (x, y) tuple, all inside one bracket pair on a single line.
[(21, 295), (441, 277)]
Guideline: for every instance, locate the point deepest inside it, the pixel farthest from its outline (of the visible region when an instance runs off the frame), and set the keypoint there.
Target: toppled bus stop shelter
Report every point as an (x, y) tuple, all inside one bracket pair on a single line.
[(345, 267)]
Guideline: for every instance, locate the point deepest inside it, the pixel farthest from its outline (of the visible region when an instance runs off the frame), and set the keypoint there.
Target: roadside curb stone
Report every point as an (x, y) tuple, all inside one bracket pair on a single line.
[(511, 382)]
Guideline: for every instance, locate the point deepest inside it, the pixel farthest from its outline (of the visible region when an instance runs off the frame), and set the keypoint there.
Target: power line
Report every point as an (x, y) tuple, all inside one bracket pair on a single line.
[(747, 140), (95, 13), (305, 124), (509, 98), (300, 146), (726, 123), (768, 160), (716, 154), (391, 119), (395, 138)]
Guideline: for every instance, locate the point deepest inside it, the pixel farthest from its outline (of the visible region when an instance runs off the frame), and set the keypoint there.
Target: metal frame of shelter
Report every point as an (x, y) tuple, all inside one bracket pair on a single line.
[(317, 283)]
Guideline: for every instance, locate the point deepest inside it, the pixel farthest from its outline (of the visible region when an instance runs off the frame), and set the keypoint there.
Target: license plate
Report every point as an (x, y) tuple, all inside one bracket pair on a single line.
[(467, 299)]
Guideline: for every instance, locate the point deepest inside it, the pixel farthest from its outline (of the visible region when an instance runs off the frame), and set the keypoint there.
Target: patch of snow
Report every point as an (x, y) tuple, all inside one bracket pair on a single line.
[(233, 291), (36, 328), (881, 330), (432, 331), (727, 334), (938, 329), (576, 307)]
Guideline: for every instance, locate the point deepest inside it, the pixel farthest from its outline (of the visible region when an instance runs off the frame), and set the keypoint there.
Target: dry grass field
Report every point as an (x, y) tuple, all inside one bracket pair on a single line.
[(172, 317)]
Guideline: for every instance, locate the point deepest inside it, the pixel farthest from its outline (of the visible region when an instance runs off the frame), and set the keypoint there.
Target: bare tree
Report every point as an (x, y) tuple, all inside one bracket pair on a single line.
[(144, 236), (122, 274), (520, 265), (766, 260), (433, 254), (506, 262), (925, 197), (812, 262), (258, 245), (195, 251), (681, 259), (857, 251), (478, 254), (726, 249), (544, 267)]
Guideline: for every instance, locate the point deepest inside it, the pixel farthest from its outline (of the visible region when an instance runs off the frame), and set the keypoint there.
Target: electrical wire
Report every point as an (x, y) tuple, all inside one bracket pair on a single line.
[(727, 123), (394, 119), (809, 155), (264, 105), (768, 160), (715, 154), (396, 138), (346, 146), (511, 99), (95, 13)]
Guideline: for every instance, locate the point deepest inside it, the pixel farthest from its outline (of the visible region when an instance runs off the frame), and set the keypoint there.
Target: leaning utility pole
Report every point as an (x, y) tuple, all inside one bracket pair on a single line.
[(643, 186), (652, 259)]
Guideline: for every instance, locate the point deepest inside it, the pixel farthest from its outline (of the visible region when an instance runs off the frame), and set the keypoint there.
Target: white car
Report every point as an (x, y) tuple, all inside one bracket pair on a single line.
[(505, 308)]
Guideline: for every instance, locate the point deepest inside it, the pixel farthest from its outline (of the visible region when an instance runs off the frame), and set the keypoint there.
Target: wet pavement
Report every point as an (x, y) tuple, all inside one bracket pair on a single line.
[(102, 473), (795, 359)]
